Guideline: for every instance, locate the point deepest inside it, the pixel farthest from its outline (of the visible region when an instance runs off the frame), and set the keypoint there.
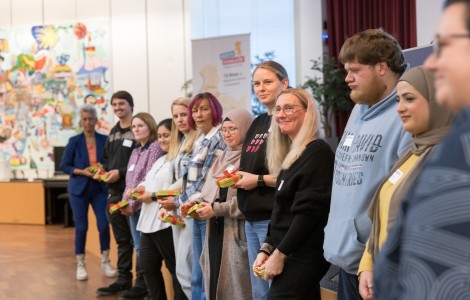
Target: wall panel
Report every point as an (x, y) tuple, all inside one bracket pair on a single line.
[(26, 12), (129, 50), (59, 11), (166, 55), (5, 18)]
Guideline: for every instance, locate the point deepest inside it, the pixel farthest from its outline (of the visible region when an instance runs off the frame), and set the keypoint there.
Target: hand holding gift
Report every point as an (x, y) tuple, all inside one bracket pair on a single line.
[(167, 202), (192, 212), (274, 265), (111, 176), (137, 194), (174, 220), (259, 265), (184, 208), (229, 178), (206, 212), (101, 176), (116, 207), (95, 168)]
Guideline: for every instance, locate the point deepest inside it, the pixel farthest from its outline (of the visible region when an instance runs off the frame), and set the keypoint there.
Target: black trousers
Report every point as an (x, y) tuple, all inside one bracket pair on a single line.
[(123, 237), (348, 286), (300, 278), (154, 248), (216, 242)]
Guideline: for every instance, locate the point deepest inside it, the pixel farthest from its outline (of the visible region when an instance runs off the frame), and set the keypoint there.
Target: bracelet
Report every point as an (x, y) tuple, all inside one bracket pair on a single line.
[(266, 248), (263, 251)]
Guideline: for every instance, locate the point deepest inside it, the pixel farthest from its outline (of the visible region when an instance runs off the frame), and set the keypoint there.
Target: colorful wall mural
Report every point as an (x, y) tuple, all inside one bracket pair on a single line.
[(46, 73)]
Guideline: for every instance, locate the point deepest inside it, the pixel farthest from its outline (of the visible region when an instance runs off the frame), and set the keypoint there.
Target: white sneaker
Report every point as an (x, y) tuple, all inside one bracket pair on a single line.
[(106, 267), (81, 270)]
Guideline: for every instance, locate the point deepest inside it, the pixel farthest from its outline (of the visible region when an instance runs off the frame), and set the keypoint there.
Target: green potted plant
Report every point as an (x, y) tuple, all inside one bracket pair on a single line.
[(330, 91)]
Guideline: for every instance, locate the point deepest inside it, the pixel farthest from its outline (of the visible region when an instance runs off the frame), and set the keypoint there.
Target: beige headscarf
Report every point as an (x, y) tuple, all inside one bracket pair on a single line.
[(440, 120), (231, 156)]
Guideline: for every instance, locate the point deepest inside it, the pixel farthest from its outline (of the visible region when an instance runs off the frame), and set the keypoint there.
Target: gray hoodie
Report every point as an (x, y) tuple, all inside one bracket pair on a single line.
[(372, 142)]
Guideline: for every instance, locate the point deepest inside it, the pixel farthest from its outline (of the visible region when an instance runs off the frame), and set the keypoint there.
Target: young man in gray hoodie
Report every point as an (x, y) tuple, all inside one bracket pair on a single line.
[(372, 141)]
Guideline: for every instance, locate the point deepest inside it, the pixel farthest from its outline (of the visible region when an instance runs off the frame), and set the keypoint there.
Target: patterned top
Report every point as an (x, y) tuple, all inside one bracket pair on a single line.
[(207, 149), (426, 255), (140, 163)]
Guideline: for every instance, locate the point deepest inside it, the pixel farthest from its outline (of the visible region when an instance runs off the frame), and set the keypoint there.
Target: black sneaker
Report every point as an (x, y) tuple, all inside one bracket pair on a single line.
[(134, 293), (114, 288)]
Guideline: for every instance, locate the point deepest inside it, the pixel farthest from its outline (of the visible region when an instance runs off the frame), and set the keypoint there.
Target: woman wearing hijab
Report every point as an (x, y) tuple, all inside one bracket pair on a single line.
[(428, 123), (224, 258)]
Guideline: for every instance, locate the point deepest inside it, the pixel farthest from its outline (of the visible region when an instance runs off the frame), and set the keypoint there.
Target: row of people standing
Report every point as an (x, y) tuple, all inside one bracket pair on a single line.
[(285, 202), (214, 259), (279, 210)]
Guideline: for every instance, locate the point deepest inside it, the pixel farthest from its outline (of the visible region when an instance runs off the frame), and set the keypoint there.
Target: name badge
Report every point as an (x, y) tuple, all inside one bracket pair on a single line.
[(395, 176), (280, 185), (131, 168), (349, 140), (230, 168), (127, 143)]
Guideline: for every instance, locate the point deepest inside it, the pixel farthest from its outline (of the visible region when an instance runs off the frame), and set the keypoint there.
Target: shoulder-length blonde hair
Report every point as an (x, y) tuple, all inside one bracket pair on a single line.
[(176, 137), (283, 152)]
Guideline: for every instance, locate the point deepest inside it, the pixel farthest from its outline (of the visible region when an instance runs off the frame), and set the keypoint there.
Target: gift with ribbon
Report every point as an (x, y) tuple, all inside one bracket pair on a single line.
[(95, 168), (229, 178), (113, 208), (137, 194), (173, 220), (167, 193), (192, 211), (102, 175)]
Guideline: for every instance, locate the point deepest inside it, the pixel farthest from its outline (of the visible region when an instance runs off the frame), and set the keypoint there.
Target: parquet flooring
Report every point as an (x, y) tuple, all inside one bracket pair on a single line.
[(38, 262)]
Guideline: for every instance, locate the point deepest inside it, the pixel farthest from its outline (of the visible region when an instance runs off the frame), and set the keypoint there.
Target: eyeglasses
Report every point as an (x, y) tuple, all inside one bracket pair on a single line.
[(229, 130), (288, 109), (437, 42)]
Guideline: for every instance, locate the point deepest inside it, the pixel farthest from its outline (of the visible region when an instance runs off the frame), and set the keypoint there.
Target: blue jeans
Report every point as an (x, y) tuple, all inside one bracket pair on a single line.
[(197, 278), (256, 232), (93, 196), (133, 220)]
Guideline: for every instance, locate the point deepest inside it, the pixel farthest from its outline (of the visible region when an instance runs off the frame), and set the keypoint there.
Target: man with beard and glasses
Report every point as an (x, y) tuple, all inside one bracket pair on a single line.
[(372, 142)]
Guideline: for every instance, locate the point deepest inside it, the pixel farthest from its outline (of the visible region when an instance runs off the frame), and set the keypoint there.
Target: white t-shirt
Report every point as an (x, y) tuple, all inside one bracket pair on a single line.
[(156, 179)]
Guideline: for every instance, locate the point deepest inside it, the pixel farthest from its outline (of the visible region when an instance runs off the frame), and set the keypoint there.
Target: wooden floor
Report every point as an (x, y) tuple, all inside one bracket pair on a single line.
[(38, 262)]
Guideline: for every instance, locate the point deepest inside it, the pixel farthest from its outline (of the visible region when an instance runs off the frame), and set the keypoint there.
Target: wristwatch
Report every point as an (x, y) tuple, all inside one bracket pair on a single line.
[(261, 181), (153, 197)]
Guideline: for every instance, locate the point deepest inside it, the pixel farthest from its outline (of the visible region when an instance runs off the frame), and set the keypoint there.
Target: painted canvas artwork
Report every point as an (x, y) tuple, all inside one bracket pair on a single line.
[(46, 73)]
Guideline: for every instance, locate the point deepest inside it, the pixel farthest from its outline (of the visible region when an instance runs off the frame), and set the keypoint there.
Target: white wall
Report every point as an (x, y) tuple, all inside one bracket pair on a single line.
[(308, 38), (151, 55), (427, 17)]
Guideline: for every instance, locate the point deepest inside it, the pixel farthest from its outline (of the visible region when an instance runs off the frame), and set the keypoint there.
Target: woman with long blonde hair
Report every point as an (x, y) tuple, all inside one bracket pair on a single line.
[(303, 166), (182, 140)]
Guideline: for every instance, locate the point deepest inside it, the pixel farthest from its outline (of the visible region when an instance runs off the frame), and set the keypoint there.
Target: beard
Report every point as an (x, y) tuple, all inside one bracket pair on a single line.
[(370, 94)]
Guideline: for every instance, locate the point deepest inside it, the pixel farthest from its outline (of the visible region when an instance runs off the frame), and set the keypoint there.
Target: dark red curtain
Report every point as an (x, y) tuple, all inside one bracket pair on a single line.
[(348, 17)]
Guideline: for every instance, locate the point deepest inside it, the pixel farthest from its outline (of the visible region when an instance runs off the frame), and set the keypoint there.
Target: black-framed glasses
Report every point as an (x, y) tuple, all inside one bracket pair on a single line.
[(437, 42), (288, 109)]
